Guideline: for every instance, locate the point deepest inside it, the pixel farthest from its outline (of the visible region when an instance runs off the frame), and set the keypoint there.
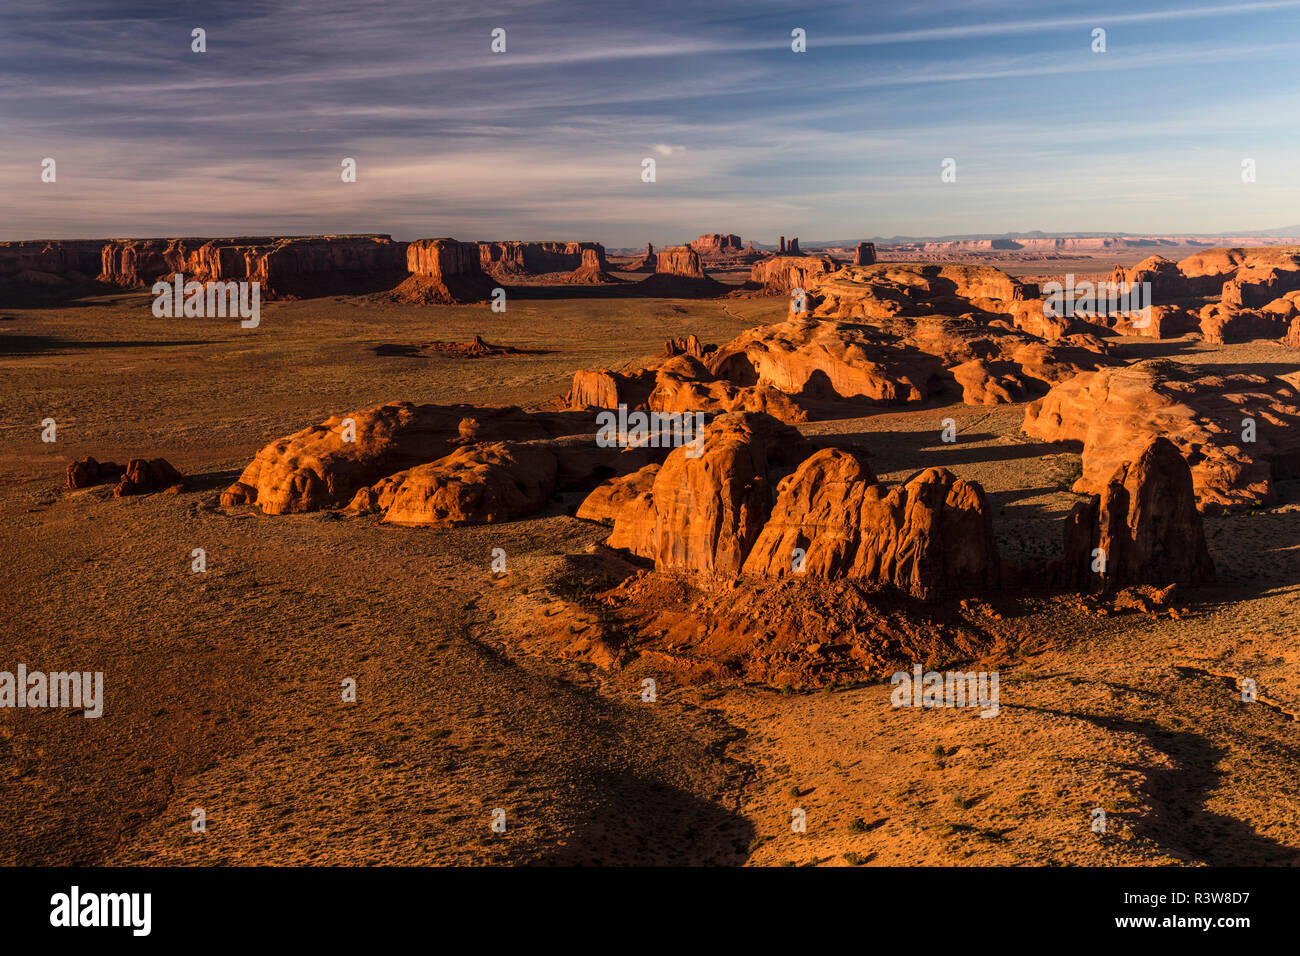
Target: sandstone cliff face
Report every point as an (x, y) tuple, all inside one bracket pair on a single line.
[(783, 274), (49, 262), (865, 254), (286, 267), (715, 515), (536, 258), (1146, 525), (680, 261), (443, 271), (1115, 412), (717, 244)]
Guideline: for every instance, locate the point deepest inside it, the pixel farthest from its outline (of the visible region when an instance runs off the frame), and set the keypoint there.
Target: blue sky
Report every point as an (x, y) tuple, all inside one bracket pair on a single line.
[(546, 140)]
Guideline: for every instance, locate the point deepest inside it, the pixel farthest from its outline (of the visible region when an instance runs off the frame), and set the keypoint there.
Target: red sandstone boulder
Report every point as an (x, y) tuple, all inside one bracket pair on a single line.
[(316, 468), (611, 496), (145, 475), (475, 484), (1144, 528), (88, 471)]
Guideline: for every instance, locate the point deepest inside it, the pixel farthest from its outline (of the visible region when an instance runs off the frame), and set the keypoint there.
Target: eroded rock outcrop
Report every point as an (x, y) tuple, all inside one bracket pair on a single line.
[(679, 261), (717, 244), (865, 254), (705, 512), (504, 259), (144, 475), (88, 471), (54, 262), (476, 484), (783, 274), (318, 468), (1239, 432), (1143, 529), (286, 267)]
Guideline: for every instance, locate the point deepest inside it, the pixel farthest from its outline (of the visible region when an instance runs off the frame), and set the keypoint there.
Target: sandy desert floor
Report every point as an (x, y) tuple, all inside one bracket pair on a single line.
[(222, 688)]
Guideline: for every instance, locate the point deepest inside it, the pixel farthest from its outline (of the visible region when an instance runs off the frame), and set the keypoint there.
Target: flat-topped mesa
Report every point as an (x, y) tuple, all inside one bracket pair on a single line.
[(717, 244), (865, 254), (285, 267), (1240, 432), (442, 271), (536, 258), (50, 262), (679, 261), (784, 274)]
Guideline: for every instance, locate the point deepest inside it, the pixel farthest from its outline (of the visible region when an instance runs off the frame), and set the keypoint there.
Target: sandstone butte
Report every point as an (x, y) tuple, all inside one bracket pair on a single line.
[(679, 261), (759, 502), (537, 258), (865, 254), (1115, 412), (647, 263)]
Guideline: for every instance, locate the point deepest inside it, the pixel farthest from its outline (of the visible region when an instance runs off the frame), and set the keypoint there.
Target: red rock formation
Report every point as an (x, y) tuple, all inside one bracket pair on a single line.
[(679, 261), (827, 361), (286, 267), (88, 471), (782, 274), (316, 468), (647, 263), (610, 497), (536, 258), (865, 254), (1221, 324), (717, 244), (475, 484), (705, 512), (1115, 412), (443, 271), (1144, 522), (793, 247), (781, 247), (50, 262), (591, 272), (148, 475)]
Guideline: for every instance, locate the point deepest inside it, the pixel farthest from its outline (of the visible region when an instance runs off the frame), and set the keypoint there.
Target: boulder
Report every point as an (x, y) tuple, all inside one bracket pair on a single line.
[(1145, 523), (88, 471), (145, 475)]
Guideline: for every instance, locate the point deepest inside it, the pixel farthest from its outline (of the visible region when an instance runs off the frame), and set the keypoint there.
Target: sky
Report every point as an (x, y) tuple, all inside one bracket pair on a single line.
[(547, 140)]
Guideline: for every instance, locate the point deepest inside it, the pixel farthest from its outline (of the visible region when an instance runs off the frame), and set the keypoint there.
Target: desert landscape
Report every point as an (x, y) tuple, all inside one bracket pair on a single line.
[(444, 444), (650, 652)]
